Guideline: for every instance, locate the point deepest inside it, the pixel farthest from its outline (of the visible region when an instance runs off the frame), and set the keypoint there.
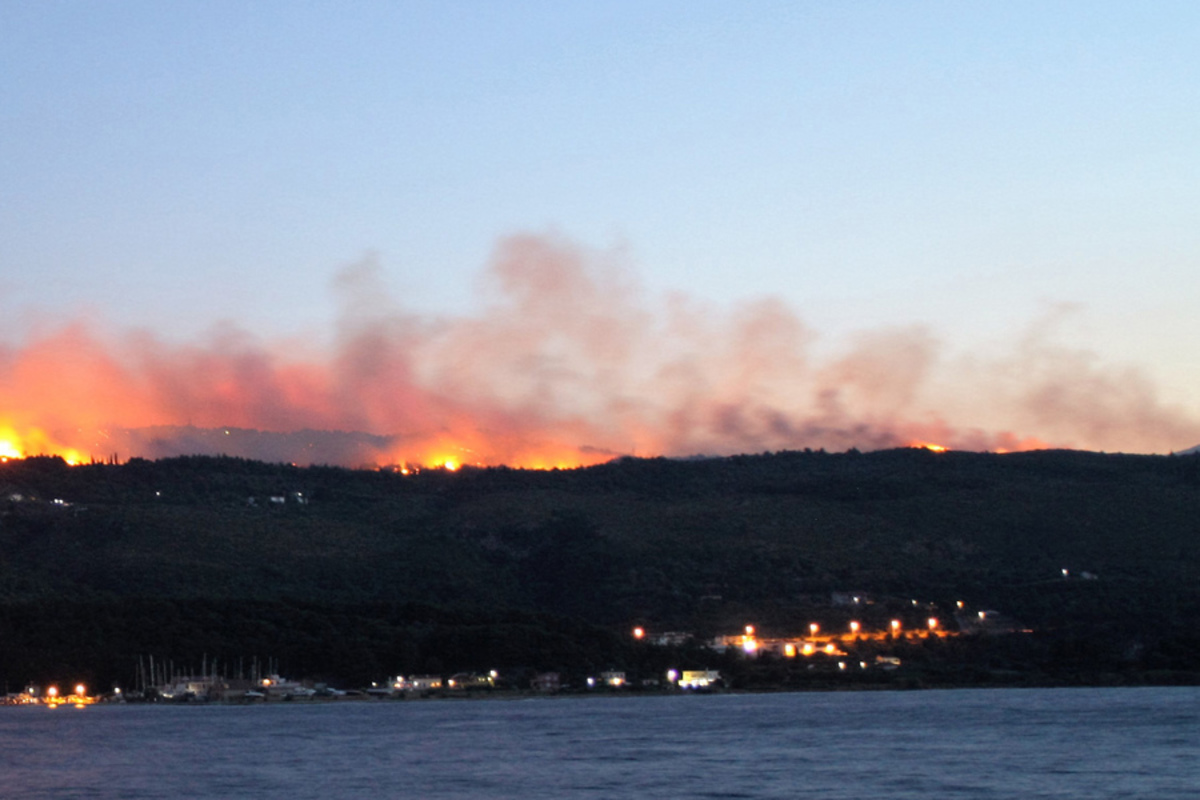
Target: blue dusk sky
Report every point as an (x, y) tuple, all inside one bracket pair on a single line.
[(982, 172)]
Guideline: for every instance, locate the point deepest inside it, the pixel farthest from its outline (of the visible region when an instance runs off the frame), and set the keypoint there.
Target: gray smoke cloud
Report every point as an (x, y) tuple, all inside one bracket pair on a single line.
[(567, 361)]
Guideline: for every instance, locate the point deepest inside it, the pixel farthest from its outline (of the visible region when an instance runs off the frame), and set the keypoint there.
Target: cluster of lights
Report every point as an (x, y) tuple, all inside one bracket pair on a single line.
[(79, 698), (415, 683), (817, 640)]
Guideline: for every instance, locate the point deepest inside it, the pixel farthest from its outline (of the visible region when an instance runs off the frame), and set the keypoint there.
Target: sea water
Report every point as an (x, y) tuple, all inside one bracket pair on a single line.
[(1010, 743)]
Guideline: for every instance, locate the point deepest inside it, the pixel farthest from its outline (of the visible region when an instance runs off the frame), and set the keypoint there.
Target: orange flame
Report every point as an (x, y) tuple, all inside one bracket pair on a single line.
[(34, 442)]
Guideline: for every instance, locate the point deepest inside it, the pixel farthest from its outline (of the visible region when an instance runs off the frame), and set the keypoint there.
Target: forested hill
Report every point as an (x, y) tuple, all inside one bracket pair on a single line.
[(226, 547)]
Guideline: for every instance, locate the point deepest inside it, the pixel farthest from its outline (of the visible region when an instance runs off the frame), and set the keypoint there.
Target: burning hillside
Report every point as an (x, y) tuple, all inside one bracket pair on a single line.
[(565, 364)]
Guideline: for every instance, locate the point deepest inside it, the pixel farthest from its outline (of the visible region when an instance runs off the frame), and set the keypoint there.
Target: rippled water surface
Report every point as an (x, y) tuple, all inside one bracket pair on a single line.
[(1041, 743)]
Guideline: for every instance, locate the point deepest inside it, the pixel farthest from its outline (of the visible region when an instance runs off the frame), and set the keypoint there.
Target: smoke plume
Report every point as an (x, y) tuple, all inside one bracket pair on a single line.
[(566, 363)]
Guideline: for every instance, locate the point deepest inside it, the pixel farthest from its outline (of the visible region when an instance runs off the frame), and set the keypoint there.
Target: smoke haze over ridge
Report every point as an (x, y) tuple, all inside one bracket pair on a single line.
[(566, 362)]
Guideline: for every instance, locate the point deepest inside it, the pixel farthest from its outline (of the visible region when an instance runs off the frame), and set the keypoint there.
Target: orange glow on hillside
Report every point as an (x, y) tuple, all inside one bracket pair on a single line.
[(1022, 445), (936, 448), (453, 452), (444, 451), (28, 442)]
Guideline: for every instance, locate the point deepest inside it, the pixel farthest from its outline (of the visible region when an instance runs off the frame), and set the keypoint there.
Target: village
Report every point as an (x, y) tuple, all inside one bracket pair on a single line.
[(822, 649)]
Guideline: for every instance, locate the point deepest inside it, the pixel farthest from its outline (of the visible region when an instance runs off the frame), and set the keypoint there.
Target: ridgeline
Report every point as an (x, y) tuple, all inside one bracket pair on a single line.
[(352, 575)]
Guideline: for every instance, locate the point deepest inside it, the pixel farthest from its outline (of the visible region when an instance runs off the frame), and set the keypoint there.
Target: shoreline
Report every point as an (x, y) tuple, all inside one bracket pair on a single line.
[(1179, 679)]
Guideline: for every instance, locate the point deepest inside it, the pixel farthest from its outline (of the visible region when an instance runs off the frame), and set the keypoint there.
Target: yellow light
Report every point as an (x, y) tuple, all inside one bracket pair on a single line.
[(789, 650), (807, 649), (854, 627), (52, 691), (639, 633), (749, 630), (80, 689), (830, 649), (933, 623), (895, 625), (813, 628)]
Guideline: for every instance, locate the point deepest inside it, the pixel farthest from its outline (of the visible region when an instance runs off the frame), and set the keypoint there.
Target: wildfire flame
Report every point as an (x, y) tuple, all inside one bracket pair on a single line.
[(564, 366), (34, 441)]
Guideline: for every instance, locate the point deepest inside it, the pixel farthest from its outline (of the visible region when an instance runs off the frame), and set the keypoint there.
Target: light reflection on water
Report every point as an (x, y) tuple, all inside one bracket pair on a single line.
[(1061, 743)]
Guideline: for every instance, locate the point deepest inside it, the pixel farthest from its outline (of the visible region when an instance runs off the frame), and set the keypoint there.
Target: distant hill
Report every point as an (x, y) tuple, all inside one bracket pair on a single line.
[(302, 447), (1191, 451), (345, 572)]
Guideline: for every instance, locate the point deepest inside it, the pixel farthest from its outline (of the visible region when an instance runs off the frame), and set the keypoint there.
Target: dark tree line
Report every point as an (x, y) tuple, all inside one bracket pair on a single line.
[(351, 573)]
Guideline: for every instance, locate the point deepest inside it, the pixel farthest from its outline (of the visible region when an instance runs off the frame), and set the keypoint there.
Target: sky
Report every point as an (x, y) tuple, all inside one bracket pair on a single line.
[(1010, 188)]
